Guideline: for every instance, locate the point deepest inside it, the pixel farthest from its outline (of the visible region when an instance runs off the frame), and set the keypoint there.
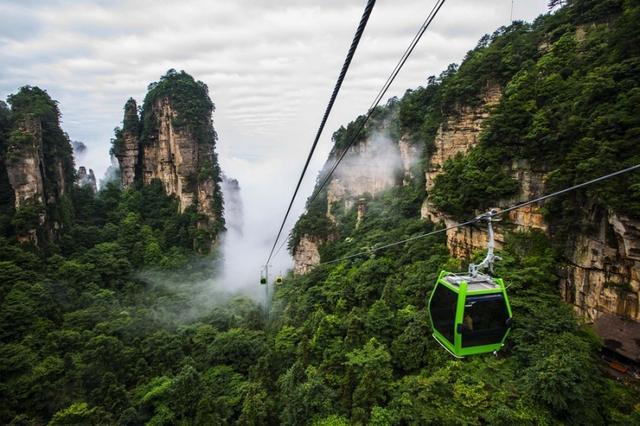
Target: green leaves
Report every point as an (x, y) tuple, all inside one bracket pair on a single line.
[(34, 101), (470, 184), (238, 348), (369, 370), (191, 101), (304, 395), (79, 413), (563, 376)]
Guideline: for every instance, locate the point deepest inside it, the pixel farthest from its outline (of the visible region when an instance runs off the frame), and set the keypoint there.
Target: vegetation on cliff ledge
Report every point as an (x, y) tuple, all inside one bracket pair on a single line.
[(30, 131), (191, 103), (130, 125)]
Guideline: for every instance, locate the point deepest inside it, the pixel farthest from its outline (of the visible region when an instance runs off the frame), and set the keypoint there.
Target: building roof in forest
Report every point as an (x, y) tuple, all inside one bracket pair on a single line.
[(620, 335)]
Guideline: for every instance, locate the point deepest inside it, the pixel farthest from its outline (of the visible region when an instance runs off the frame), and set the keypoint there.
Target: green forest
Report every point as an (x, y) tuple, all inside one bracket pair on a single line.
[(109, 320)]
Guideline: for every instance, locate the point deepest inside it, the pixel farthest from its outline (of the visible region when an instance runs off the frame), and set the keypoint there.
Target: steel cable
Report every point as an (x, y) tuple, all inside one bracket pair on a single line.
[(380, 95), (336, 89)]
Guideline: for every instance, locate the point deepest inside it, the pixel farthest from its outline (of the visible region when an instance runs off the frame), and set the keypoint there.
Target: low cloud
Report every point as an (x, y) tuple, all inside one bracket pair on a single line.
[(79, 149), (371, 166)]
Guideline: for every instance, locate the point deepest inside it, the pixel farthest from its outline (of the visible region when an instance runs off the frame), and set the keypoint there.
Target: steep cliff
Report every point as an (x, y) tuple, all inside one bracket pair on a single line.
[(126, 145), (369, 168), (38, 162), (602, 271), (306, 254), (553, 128), (456, 136), (7, 195), (24, 161), (381, 159), (87, 179), (460, 131), (174, 142), (602, 275)]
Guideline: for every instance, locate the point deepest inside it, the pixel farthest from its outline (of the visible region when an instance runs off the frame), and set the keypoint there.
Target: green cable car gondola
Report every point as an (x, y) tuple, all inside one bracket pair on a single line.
[(470, 313), (263, 278)]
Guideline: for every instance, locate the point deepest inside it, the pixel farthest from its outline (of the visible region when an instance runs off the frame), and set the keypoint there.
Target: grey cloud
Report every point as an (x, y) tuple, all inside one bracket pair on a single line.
[(17, 23)]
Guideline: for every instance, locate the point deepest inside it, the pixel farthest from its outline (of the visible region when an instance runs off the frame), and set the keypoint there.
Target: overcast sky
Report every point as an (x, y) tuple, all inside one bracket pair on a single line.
[(270, 67)]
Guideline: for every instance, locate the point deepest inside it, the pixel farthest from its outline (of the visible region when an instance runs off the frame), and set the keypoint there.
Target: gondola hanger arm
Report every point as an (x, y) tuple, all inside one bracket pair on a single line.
[(490, 258)]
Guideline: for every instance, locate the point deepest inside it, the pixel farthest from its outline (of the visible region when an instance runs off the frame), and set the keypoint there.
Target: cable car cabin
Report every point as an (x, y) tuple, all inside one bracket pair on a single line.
[(470, 315), (263, 280), (279, 280)]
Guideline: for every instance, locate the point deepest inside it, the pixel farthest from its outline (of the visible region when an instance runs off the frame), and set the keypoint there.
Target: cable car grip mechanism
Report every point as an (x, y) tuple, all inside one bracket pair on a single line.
[(487, 262)]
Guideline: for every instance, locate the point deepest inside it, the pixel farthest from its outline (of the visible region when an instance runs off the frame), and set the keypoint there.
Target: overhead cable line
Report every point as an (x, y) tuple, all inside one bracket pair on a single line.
[(571, 188), (489, 215), (282, 245), (380, 95), (336, 89), (415, 237)]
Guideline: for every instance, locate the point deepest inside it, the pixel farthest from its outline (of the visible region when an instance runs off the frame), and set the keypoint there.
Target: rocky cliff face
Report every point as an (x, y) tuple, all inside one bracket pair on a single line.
[(306, 255), (459, 132), (38, 161), (24, 163), (174, 157), (463, 242), (174, 142), (369, 168), (87, 179), (127, 152), (603, 271)]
